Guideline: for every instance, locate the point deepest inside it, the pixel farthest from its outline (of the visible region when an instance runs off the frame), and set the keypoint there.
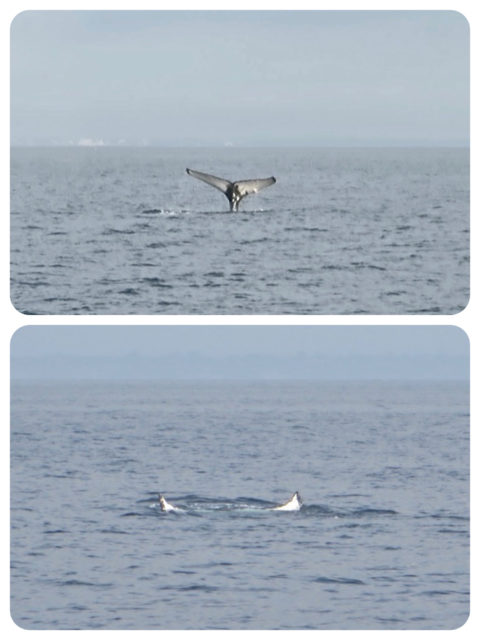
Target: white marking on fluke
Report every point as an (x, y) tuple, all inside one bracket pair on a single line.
[(165, 506), (234, 191), (293, 504)]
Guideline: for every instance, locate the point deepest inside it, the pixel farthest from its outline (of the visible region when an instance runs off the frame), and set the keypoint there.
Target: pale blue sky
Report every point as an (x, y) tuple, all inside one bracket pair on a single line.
[(241, 78), (247, 352)]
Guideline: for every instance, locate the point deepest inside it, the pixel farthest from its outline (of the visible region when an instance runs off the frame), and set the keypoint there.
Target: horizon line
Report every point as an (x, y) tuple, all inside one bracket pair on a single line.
[(243, 146), (239, 379)]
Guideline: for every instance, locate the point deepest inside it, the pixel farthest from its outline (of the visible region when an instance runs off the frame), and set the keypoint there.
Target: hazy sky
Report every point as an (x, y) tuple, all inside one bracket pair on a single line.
[(249, 352), (241, 78)]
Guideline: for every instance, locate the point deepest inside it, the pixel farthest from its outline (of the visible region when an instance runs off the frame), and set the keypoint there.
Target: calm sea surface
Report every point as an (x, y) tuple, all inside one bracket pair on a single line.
[(382, 541), (126, 231)]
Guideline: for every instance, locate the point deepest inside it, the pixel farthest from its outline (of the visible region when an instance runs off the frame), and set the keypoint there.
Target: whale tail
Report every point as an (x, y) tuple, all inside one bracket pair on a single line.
[(234, 191), (293, 504), (165, 506)]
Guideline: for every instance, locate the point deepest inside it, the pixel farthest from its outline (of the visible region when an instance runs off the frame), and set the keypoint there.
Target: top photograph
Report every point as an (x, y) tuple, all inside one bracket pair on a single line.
[(240, 162)]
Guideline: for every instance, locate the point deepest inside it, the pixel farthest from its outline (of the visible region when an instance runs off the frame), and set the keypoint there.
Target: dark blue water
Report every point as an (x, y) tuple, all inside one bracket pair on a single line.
[(127, 231), (382, 541)]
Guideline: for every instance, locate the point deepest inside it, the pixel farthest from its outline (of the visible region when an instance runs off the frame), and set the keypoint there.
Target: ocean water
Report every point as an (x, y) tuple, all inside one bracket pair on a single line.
[(344, 231), (382, 541)]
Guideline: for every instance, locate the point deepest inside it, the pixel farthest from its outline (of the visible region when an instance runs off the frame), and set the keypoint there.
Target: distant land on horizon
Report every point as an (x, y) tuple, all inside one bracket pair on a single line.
[(95, 144), (246, 367)]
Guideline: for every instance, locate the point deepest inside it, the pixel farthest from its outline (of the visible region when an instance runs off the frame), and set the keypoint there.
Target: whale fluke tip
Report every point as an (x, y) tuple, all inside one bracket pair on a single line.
[(165, 506), (293, 504)]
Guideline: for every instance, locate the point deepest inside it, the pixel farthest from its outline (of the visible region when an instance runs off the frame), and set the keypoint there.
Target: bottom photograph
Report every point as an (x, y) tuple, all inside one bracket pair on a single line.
[(239, 477)]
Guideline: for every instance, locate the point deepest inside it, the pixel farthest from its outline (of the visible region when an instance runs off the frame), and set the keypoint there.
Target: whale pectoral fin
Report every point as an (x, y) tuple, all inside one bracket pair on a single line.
[(245, 187), (219, 183)]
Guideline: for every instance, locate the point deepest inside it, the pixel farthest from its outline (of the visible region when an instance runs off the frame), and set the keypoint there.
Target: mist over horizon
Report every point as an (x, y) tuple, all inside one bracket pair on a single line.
[(230, 79), (240, 353)]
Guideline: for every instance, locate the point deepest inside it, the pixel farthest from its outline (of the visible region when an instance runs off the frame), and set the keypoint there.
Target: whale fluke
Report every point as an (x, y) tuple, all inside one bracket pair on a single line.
[(293, 504), (234, 191), (165, 506)]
